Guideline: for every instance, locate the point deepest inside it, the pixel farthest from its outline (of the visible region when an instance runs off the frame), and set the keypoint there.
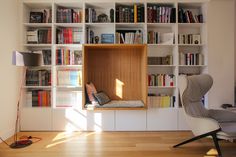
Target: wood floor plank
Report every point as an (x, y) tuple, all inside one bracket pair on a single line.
[(116, 144)]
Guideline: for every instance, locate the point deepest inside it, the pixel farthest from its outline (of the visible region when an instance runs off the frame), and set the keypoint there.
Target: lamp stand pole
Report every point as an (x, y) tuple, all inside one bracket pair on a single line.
[(19, 143)]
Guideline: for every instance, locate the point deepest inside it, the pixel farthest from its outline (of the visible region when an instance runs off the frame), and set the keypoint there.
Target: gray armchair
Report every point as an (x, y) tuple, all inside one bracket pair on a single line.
[(219, 124)]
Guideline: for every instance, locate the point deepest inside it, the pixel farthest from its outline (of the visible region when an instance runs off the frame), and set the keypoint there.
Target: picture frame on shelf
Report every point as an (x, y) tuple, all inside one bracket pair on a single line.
[(36, 17), (107, 38)]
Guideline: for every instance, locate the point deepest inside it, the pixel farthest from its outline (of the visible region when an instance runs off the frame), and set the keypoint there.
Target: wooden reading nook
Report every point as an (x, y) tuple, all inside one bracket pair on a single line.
[(118, 70)]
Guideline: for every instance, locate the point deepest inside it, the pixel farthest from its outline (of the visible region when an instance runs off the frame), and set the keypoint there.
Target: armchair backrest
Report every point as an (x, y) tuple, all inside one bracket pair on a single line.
[(192, 89), (197, 87)]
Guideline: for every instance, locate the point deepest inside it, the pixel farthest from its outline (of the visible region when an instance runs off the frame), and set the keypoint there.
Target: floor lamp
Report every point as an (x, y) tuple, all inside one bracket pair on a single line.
[(23, 59)]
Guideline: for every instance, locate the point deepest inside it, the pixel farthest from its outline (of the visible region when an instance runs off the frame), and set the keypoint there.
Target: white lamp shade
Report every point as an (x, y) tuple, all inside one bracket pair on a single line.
[(26, 59)]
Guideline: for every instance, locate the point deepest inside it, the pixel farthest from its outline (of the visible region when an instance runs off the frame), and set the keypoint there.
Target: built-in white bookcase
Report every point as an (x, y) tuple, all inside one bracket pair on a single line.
[(57, 116)]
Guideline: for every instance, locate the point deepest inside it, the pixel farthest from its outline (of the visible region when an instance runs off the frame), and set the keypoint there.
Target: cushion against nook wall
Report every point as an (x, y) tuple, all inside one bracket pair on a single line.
[(101, 98), (90, 88)]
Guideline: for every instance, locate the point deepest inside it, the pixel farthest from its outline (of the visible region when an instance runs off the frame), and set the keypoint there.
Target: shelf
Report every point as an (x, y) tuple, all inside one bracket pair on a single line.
[(164, 87), (191, 45), (37, 24), (40, 67), (69, 87), (161, 24), (70, 45), (37, 87), (69, 24), (162, 45), (193, 66), (130, 25), (37, 45), (171, 66), (117, 108), (69, 66), (193, 25), (99, 24)]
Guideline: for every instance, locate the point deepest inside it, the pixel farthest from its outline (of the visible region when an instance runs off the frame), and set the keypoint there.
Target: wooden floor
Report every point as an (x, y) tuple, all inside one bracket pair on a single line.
[(116, 144)]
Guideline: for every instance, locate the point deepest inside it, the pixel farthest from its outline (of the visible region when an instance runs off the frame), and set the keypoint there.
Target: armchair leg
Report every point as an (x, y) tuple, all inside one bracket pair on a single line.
[(215, 139), (212, 133)]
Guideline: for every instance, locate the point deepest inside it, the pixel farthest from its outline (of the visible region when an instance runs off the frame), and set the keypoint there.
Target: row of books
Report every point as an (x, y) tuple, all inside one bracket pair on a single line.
[(38, 77), (189, 38), (161, 101), (90, 38), (40, 16), (39, 98), (161, 14), (69, 77), (39, 36), (90, 15), (69, 36), (129, 37), (68, 57), (160, 38), (165, 80), (65, 15), (130, 14), (68, 98), (47, 56), (191, 59), (188, 16), (166, 60)]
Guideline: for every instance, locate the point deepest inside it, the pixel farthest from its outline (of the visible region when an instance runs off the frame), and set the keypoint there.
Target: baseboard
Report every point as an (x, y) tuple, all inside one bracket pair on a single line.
[(6, 134)]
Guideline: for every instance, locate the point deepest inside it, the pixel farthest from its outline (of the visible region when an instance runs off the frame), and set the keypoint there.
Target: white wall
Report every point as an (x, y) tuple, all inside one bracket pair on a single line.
[(9, 41), (221, 51)]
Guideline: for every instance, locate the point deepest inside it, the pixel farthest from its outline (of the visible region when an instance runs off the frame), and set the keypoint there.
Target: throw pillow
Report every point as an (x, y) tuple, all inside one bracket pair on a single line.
[(90, 89), (102, 98)]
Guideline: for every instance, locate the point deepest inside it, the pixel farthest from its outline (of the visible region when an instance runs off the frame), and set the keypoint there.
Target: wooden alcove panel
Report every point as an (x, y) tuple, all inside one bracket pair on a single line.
[(119, 70)]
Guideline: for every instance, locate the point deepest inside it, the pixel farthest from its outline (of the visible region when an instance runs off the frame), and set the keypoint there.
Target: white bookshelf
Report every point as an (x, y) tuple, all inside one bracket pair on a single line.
[(116, 122)]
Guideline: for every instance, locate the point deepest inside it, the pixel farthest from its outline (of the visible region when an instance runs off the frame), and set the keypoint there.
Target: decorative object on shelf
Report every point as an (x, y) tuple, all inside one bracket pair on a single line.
[(23, 59), (107, 38), (96, 38), (112, 15), (103, 18), (42, 16), (36, 17)]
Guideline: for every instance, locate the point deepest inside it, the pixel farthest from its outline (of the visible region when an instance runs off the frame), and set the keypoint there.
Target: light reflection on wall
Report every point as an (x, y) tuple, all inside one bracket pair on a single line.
[(119, 88)]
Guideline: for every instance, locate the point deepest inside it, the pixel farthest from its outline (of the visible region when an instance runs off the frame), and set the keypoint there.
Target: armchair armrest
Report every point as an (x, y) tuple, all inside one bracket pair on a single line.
[(222, 115)]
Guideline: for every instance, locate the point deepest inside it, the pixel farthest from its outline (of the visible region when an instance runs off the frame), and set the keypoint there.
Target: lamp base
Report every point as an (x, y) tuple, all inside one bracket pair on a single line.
[(21, 144)]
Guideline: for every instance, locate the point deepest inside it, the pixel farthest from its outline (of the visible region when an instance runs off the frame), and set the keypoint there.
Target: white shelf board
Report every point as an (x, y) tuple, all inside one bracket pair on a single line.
[(40, 67), (193, 66), (192, 45), (168, 66), (37, 87), (37, 45), (161, 24), (69, 87), (130, 25), (167, 87), (161, 45), (79, 46), (37, 24), (75, 25), (99, 25), (68, 66), (197, 25)]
